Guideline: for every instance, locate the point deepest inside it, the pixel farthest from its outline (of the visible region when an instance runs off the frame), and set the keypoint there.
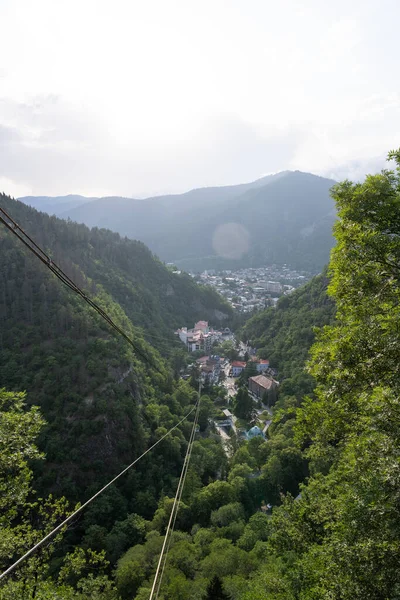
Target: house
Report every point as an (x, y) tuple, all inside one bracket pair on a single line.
[(260, 385), (210, 367), (228, 422), (195, 341), (201, 337), (202, 326), (237, 367), (202, 360), (207, 373), (262, 365)]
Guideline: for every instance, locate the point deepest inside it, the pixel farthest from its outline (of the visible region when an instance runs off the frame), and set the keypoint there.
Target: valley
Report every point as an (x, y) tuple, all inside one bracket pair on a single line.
[(292, 440)]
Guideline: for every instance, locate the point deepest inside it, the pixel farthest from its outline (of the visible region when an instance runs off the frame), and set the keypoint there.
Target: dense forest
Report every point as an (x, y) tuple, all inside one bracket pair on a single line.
[(285, 334), (152, 296), (333, 438)]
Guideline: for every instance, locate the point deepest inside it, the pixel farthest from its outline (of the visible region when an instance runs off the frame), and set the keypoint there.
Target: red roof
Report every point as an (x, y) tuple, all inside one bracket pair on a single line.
[(237, 363)]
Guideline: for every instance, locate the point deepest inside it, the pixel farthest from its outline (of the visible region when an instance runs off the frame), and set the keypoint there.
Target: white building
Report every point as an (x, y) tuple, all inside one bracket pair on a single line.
[(237, 367)]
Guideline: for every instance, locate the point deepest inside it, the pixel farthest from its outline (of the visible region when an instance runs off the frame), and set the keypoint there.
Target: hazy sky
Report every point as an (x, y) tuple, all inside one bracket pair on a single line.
[(132, 97)]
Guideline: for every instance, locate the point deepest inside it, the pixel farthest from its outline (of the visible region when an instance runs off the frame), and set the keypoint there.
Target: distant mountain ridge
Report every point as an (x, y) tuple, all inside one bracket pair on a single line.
[(282, 218)]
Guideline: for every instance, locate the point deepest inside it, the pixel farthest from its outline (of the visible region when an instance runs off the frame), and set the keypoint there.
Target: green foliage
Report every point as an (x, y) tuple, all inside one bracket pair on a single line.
[(102, 404), (244, 405), (25, 520), (215, 590), (285, 334), (341, 537)]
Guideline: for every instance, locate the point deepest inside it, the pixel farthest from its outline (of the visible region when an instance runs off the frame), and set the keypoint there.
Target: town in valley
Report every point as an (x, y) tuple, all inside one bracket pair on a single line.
[(248, 383), (252, 289)]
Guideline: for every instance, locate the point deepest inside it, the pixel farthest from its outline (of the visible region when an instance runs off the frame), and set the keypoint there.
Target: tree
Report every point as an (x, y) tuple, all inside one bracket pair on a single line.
[(244, 405), (24, 522), (206, 406), (250, 370), (215, 590), (342, 533)]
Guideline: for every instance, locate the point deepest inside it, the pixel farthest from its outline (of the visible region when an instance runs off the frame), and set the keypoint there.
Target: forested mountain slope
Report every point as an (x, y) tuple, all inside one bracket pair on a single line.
[(87, 382), (286, 333), (282, 218), (153, 297), (102, 403)]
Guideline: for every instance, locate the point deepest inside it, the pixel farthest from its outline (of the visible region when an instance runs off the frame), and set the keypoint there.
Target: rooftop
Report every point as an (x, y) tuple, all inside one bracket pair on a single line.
[(238, 363), (265, 382)]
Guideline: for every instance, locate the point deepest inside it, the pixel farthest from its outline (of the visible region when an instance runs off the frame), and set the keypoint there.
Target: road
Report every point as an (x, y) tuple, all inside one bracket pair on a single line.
[(225, 440), (229, 383)]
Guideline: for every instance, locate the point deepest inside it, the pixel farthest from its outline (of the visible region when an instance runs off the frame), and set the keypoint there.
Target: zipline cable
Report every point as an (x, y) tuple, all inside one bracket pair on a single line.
[(175, 507), (175, 515), (64, 278), (58, 272), (78, 510), (193, 433)]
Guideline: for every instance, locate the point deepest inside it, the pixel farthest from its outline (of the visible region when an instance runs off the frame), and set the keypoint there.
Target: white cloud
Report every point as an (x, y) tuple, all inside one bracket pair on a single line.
[(133, 96), (14, 189)]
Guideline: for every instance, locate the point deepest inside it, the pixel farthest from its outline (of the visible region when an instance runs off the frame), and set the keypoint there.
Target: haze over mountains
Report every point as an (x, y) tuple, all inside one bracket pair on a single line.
[(281, 218)]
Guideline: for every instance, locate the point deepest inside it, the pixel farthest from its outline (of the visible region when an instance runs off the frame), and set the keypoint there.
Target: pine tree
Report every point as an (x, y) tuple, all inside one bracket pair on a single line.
[(215, 590)]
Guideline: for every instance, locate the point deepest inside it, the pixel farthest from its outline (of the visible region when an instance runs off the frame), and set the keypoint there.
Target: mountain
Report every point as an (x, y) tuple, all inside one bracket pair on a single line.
[(89, 384), (281, 218), (155, 298), (57, 205)]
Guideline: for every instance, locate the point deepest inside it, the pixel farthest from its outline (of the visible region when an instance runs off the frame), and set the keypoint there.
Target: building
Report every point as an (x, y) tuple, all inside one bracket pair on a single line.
[(201, 337), (262, 365), (237, 367), (228, 422), (201, 326), (260, 385), (195, 341), (210, 367), (202, 360), (273, 287)]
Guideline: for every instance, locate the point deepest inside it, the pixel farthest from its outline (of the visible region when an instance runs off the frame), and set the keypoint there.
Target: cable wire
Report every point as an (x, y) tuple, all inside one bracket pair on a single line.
[(62, 276), (175, 507), (78, 510)]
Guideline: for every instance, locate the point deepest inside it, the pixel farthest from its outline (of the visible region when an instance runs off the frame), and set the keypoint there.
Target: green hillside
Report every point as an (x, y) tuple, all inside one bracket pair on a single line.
[(286, 333), (88, 383), (153, 297)]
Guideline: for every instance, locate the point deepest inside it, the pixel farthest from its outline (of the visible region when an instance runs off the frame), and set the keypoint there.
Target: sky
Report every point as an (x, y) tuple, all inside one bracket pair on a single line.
[(135, 98)]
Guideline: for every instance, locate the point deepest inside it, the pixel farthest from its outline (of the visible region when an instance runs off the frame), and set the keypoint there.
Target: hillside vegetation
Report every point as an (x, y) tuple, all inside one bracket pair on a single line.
[(103, 404), (286, 333)]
